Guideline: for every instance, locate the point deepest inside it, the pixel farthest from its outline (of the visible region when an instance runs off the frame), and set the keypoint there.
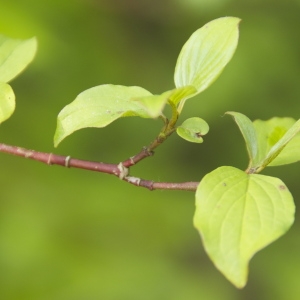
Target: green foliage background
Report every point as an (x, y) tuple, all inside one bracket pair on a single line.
[(72, 234)]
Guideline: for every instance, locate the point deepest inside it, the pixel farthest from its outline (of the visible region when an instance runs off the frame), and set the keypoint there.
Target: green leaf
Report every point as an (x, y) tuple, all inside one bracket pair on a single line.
[(7, 101), (15, 55), (270, 132), (181, 94), (238, 214), (279, 146), (154, 104), (274, 142), (206, 53), (248, 131), (193, 129), (98, 107)]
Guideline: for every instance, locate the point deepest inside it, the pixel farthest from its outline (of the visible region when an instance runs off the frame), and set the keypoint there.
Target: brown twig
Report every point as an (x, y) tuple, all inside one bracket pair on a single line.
[(121, 170)]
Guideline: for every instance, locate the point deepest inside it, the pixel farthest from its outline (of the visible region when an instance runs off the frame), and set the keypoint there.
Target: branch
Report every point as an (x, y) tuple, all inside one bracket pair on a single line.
[(149, 151), (121, 170)]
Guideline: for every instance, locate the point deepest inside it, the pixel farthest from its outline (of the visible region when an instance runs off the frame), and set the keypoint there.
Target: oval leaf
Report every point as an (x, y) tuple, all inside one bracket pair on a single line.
[(237, 214), (7, 101), (193, 129), (206, 53), (15, 55), (98, 107)]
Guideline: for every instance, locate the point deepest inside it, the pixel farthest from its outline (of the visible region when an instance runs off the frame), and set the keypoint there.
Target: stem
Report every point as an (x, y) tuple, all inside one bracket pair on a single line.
[(165, 132), (64, 161), (151, 185), (119, 170), (146, 151), (175, 115)]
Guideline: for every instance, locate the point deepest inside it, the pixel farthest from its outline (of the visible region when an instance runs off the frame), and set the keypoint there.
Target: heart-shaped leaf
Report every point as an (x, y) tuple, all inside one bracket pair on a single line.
[(15, 55), (193, 129), (238, 214), (7, 101), (98, 107), (206, 53)]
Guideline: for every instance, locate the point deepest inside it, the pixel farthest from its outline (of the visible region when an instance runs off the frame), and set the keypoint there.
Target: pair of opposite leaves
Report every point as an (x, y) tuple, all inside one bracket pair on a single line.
[(238, 213), (200, 62)]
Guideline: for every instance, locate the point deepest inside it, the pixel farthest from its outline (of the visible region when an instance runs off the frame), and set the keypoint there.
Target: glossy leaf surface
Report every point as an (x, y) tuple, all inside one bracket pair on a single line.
[(7, 101), (98, 107), (238, 214), (206, 53), (15, 55), (193, 129)]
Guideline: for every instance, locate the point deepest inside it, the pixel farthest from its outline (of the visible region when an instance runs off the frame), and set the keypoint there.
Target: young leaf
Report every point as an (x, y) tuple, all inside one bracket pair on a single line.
[(279, 146), (238, 214), (193, 129), (98, 107), (7, 101), (289, 154), (206, 53), (248, 131), (274, 142), (154, 104), (183, 93), (270, 132), (15, 55)]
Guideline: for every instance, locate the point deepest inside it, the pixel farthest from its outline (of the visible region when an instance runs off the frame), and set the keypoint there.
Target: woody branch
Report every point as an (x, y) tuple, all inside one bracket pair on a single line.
[(120, 170)]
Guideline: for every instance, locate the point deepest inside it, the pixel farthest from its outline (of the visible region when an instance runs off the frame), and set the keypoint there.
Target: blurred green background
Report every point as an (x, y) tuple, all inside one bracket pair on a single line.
[(72, 234)]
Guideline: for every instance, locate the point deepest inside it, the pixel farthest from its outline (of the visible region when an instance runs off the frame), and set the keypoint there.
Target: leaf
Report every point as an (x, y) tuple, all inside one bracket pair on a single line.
[(269, 142), (270, 132), (183, 93), (98, 107), (193, 129), (15, 55), (154, 104), (7, 101), (248, 131), (238, 214), (279, 146), (206, 53)]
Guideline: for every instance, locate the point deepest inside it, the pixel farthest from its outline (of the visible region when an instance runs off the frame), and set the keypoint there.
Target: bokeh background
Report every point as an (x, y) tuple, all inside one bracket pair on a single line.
[(72, 234)]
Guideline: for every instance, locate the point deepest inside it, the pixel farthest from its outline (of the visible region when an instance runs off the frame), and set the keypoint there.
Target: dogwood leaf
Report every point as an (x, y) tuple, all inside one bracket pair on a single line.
[(100, 106), (15, 55), (193, 129), (206, 53), (238, 214)]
